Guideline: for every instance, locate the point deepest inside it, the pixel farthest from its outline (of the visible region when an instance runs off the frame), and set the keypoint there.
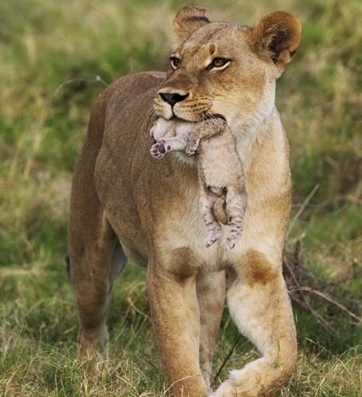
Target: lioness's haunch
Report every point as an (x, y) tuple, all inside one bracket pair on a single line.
[(126, 205)]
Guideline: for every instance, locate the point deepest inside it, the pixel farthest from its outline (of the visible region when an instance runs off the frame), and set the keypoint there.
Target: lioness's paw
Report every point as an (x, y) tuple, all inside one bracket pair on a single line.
[(158, 150), (226, 389)]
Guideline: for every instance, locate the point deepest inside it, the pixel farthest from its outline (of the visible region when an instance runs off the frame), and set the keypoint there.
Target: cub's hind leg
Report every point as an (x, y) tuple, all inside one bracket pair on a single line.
[(235, 209), (207, 202)]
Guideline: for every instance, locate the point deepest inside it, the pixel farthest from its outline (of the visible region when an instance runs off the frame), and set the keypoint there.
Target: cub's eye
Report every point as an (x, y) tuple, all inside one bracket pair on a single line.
[(175, 62), (218, 63)]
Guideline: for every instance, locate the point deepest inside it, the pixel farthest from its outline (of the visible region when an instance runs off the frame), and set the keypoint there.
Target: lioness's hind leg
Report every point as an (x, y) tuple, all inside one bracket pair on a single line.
[(93, 270), (95, 255)]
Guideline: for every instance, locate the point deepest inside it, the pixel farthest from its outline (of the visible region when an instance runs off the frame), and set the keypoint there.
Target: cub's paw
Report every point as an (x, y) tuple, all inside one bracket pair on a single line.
[(192, 146), (212, 237), (158, 150), (229, 244)]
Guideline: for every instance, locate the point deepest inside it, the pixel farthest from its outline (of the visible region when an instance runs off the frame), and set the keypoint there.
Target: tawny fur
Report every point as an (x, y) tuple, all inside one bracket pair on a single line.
[(219, 169), (127, 205)]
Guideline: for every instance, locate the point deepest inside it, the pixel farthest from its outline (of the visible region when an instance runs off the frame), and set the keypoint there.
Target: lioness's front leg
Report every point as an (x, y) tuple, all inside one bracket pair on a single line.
[(211, 296), (260, 307), (176, 323)]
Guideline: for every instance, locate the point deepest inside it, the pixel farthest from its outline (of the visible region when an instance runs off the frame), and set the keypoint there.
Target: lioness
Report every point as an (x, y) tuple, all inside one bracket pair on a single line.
[(223, 185), (126, 204)]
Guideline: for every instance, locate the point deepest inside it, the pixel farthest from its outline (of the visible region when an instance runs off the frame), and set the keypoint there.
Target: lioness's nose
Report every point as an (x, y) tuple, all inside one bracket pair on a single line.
[(172, 97)]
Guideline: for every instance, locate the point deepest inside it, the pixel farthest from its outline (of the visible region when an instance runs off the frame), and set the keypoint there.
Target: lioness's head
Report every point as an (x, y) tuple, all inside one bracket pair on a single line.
[(225, 69)]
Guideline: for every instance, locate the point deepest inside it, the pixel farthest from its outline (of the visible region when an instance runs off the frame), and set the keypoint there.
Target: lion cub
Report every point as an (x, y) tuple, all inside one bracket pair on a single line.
[(220, 170)]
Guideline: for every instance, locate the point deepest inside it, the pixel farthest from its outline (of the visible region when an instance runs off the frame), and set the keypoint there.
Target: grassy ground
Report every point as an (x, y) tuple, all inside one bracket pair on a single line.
[(56, 57)]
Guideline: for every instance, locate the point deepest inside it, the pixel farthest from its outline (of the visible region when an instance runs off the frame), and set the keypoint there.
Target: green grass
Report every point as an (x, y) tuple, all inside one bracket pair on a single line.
[(56, 57)]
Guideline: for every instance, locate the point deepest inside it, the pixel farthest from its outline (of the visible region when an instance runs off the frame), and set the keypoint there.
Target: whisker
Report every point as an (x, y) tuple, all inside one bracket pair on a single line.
[(149, 118)]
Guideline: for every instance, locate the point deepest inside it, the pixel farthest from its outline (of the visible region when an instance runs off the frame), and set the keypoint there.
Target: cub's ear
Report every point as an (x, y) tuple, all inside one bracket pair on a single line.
[(276, 37), (188, 20)]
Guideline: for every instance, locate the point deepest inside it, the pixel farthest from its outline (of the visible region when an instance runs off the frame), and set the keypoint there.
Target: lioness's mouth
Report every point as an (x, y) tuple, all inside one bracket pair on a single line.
[(215, 116), (205, 117)]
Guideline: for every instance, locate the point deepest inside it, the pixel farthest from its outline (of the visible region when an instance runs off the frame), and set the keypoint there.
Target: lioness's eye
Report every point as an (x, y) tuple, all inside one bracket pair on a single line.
[(218, 63), (175, 62)]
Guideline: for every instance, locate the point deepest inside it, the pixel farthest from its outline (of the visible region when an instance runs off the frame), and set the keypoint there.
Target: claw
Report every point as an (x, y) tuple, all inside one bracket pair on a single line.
[(212, 238), (229, 244)]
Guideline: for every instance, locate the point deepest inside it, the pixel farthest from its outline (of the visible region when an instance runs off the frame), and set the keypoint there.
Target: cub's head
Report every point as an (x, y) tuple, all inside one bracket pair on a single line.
[(225, 69)]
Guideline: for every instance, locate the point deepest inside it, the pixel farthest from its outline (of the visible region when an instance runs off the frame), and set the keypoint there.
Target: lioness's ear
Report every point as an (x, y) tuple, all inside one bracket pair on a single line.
[(276, 37), (188, 20)]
